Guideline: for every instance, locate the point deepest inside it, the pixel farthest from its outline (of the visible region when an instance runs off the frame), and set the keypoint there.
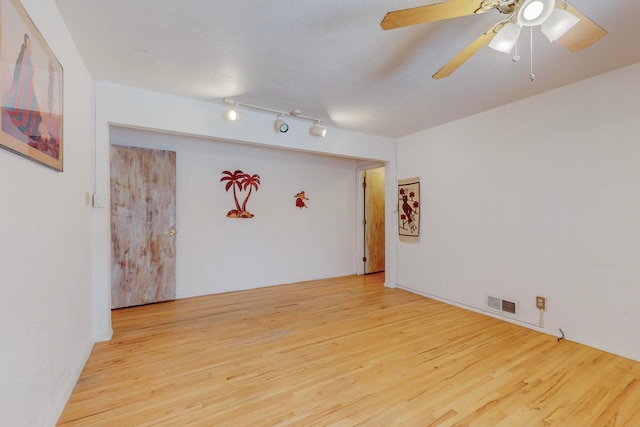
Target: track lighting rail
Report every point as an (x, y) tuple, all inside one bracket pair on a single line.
[(280, 125), (294, 113)]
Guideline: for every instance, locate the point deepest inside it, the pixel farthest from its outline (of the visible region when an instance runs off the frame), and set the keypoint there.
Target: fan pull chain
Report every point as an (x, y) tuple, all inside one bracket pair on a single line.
[(532, 76)]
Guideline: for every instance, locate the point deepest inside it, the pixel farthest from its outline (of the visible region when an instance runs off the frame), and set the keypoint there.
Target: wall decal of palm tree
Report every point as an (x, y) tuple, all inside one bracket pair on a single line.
[(240, 181), (250, 182)]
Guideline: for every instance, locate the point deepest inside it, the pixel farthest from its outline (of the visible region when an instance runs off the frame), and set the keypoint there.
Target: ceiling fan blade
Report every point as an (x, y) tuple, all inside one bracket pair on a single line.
[(467, 53), (583, 34), (430, 13)]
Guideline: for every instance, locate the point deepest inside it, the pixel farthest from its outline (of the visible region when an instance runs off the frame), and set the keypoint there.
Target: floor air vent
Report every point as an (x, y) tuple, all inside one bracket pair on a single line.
[(509, 308)]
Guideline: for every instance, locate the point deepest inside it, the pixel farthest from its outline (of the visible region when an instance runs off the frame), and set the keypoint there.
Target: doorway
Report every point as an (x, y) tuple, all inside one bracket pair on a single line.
[(143, 219), (373, 194)]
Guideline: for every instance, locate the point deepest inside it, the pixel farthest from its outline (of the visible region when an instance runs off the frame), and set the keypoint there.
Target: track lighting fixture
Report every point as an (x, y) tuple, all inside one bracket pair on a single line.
[(280, 125), (232, 114), (317, 130)]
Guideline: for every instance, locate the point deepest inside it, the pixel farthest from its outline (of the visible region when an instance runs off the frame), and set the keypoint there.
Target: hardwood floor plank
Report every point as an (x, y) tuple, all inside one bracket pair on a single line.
[(342, 352)]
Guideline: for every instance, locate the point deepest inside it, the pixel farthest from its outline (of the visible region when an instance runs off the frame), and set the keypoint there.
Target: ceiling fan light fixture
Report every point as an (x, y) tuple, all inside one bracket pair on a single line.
[(506, 38), (558, 24), (535, 12)]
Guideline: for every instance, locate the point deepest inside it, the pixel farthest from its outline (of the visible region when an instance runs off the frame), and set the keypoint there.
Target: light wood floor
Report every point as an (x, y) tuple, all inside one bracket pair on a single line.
[(343, 352)]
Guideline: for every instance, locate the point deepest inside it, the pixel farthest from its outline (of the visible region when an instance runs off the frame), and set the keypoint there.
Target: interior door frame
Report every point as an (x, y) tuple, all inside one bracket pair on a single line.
[(360, 214)]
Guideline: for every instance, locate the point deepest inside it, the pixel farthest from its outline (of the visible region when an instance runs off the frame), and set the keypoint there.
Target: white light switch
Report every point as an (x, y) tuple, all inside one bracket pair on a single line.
[(98, 200)]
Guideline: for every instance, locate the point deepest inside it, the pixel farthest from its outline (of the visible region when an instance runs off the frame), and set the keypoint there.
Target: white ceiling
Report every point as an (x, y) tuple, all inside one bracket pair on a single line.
[(331, 59)]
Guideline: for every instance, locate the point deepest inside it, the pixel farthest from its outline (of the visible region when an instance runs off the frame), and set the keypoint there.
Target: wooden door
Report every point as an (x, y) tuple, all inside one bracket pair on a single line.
[(143, 218), (374, 220)]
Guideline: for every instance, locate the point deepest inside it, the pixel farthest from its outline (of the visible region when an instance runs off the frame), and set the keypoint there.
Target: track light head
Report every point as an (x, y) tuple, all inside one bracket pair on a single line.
[(232, 115), (317, 130), (280, 125)]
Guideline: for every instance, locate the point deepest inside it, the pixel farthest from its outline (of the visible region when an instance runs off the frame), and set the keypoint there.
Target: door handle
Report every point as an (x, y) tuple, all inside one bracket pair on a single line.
[(172, 232)]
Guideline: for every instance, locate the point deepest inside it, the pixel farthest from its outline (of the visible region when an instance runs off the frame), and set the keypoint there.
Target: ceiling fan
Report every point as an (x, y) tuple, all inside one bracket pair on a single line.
[(558, 19)]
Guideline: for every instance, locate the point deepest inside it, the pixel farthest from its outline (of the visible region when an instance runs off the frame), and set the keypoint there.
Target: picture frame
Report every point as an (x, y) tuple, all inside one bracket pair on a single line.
[(31, 120), (409, 208)]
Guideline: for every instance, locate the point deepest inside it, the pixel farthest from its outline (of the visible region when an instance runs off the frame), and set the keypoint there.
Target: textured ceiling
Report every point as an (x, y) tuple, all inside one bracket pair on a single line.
[(331, 59)]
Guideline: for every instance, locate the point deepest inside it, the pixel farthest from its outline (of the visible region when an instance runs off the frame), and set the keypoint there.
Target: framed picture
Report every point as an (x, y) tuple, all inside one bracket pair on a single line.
[(409, 209), (31, 89)]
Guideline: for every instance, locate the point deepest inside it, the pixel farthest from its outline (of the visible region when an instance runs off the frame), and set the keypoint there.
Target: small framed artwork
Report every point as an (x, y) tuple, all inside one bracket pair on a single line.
[(31, 89), (409, 209)]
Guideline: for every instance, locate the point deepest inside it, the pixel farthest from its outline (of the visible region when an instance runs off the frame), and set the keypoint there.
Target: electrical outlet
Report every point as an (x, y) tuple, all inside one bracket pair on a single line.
[(541, 303)]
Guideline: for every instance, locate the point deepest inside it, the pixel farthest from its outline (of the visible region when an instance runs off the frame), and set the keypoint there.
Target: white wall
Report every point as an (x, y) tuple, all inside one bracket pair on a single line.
[(45, 279), (282, 243), (540, 197), (222, 145)]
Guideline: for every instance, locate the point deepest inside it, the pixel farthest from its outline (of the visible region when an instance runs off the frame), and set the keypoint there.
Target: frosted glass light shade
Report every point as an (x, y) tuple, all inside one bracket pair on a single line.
[(506, 38), (535, 12), (558, 24)]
